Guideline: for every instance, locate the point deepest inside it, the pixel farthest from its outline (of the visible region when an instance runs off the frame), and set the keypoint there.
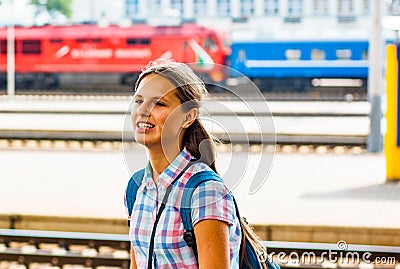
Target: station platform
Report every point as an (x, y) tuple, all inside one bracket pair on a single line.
[(306, 197)]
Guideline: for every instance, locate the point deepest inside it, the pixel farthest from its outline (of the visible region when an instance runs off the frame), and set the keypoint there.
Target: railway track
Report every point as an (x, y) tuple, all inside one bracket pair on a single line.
[(34, 121), (40, 144), (315, 94), (44, 248), (62, 248)]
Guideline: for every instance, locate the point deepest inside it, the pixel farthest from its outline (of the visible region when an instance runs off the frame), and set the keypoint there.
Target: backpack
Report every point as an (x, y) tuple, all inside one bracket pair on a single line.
[(249, 259)]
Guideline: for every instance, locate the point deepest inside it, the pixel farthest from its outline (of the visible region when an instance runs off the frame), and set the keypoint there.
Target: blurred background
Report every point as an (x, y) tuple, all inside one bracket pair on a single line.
[(304, 96)]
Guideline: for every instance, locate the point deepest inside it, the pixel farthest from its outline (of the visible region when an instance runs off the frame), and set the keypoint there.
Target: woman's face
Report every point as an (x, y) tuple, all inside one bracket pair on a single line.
[(157, 115)]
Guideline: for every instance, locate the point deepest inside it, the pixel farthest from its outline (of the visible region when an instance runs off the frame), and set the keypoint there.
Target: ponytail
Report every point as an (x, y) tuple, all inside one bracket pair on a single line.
[(200, 144)]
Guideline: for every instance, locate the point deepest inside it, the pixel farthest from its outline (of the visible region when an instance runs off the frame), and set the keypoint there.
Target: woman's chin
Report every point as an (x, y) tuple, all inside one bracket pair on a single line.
[(141, 139)]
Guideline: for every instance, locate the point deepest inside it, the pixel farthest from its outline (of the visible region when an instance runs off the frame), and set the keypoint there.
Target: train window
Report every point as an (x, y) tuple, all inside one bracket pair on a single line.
[(3, 46), (242, 56), (97, 40), (317, 54), (293, 54), (364, 55), (135, 41), (31, 47), (145, 41), (344, 54), (209, 44), (131, 41), (56, 41), (82, 40)]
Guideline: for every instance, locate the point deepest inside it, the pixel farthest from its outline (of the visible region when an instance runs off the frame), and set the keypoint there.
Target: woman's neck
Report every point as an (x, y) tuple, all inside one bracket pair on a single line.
[(161, 158)]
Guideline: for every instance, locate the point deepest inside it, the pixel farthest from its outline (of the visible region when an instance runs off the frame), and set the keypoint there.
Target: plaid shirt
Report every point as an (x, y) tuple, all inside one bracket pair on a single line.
[(211, 200)]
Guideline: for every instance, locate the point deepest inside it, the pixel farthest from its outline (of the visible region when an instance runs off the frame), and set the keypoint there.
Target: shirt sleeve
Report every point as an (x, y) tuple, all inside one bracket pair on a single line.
[(212, 200), (126, 204)]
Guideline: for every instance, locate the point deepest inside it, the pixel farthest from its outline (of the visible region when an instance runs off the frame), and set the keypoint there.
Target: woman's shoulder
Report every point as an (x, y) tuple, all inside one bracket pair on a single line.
[(197, 167), (211, 200), (218, 187)]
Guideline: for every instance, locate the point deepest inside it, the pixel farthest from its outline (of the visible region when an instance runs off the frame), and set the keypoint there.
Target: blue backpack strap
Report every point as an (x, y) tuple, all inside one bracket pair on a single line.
[(186, 206), (131, 190)]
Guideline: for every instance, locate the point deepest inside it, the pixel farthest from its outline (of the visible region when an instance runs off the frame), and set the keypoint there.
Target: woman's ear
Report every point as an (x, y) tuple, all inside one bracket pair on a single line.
[(191, 116)]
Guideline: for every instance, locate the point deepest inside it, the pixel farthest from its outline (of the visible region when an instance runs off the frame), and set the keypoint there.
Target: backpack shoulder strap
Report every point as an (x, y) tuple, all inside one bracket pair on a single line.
[(185, 209), (131, 190)]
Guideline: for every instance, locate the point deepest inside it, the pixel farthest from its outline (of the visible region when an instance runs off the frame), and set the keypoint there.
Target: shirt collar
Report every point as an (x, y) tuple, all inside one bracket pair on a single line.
[(171, 172)]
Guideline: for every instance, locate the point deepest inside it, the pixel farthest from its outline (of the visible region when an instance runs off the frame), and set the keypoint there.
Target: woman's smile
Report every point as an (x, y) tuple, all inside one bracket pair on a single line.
[(144, 126)]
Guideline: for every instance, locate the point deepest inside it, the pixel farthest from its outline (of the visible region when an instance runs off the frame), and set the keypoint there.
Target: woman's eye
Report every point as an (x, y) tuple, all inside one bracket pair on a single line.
[(138, 101), (160, 104)]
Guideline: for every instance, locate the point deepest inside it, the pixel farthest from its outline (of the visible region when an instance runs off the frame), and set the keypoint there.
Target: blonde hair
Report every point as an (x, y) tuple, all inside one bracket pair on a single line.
[(249, 234)]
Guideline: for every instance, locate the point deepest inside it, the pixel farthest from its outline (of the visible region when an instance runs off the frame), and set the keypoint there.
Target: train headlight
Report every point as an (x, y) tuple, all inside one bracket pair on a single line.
[(217, 75)]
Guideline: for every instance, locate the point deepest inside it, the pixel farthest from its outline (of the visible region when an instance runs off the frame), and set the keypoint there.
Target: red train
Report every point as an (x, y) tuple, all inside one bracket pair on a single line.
[(82, 55)]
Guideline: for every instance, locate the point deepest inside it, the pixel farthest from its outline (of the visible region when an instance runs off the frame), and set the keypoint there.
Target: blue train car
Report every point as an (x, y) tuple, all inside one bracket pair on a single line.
[(298, 65)]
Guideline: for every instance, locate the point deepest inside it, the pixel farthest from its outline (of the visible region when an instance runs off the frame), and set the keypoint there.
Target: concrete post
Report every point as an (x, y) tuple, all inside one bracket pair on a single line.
[(212, 8), (283, 8), (11, 61), (188, 10), (375, 78), (235, 8), (259, 8)]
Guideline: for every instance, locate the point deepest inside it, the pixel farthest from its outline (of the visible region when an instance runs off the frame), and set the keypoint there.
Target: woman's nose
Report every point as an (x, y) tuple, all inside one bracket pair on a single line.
[(144, 110)]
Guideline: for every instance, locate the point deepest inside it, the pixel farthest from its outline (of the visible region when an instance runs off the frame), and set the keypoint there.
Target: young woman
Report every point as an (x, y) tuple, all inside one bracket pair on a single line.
[(165, 120)]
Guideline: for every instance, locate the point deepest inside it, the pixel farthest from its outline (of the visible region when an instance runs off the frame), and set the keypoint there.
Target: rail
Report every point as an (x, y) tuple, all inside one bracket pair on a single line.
[(300, 123), (61, 248), (118, 105), (95, 249)]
